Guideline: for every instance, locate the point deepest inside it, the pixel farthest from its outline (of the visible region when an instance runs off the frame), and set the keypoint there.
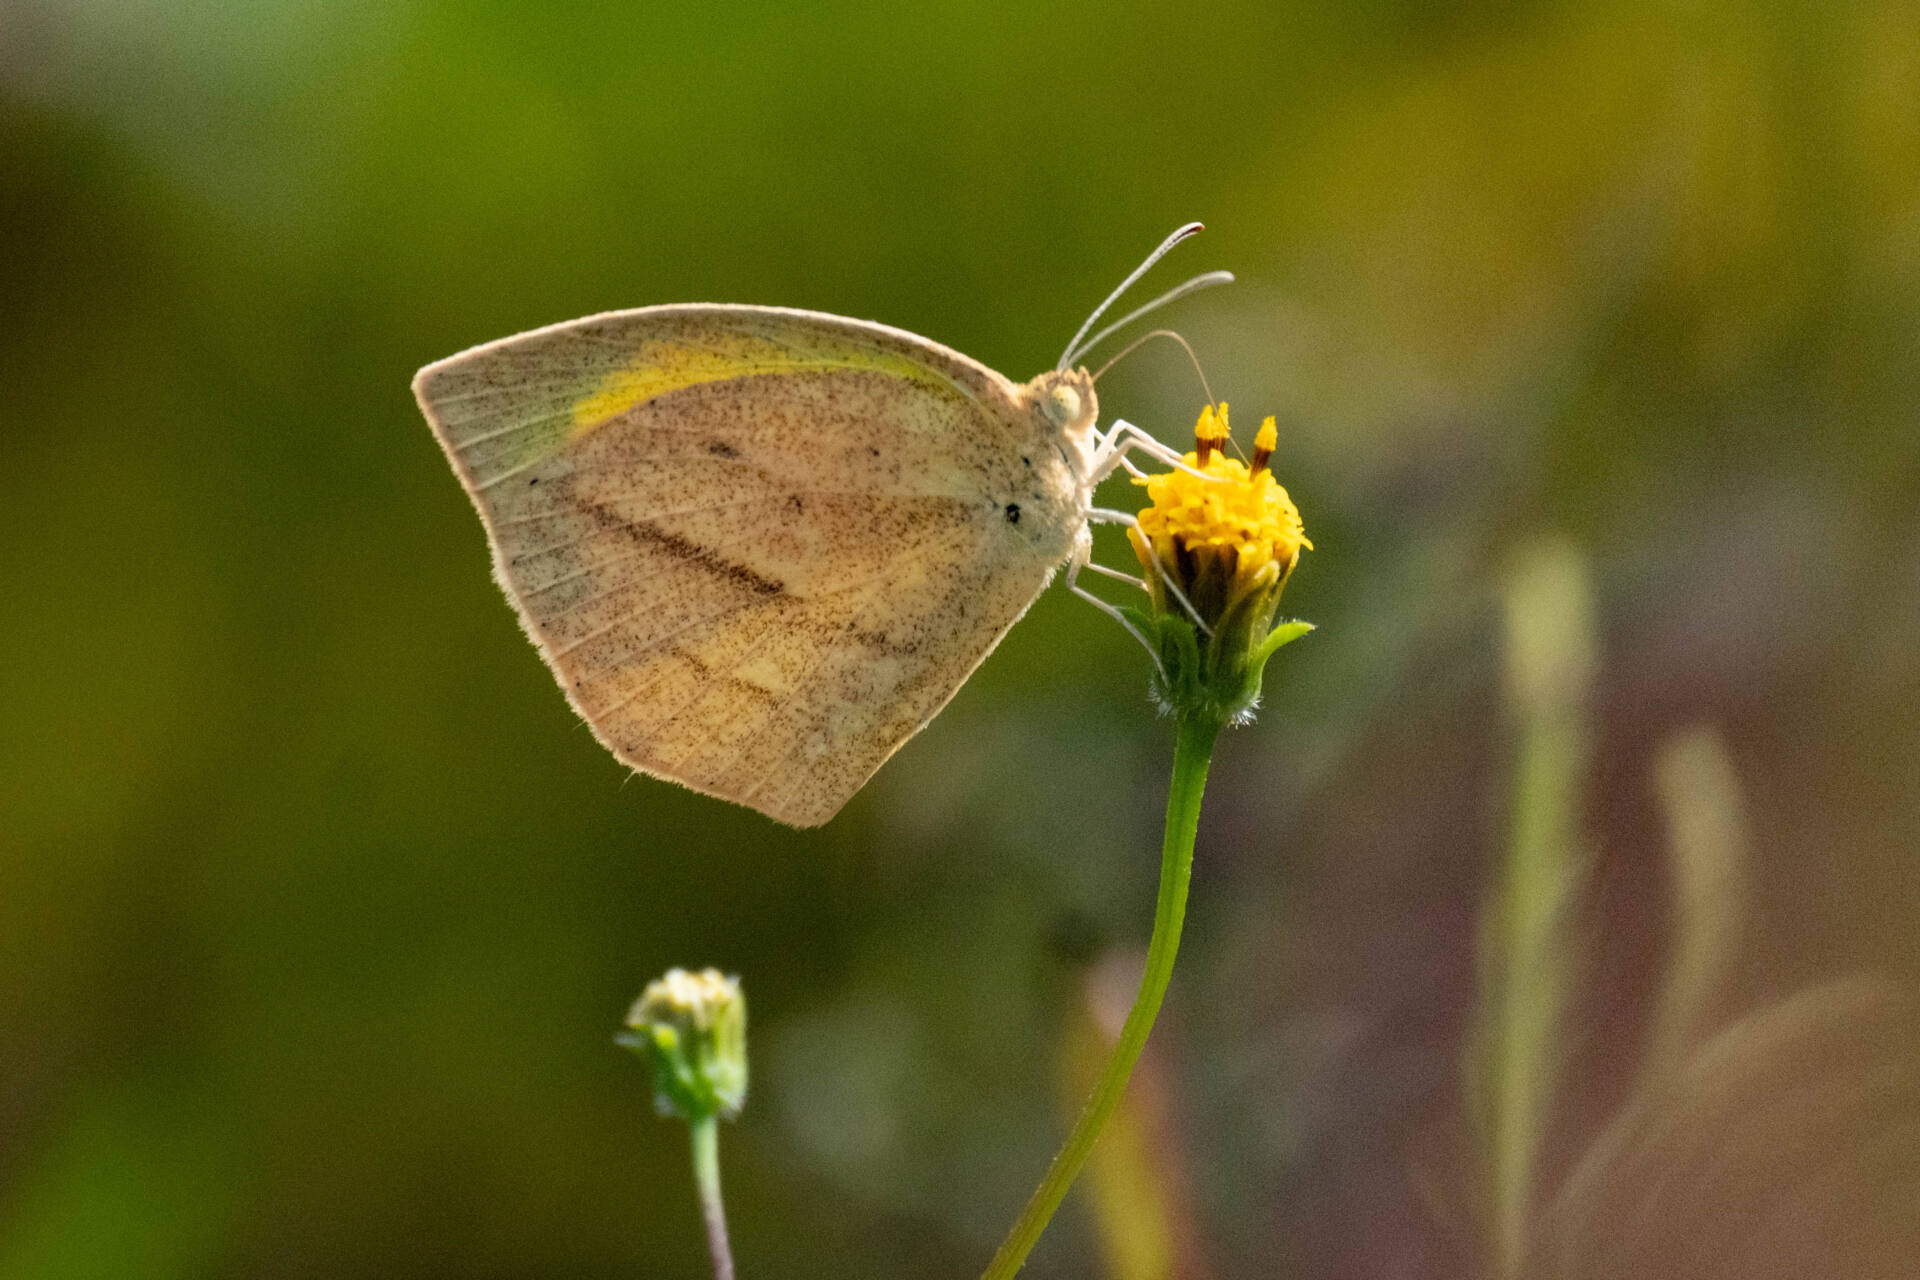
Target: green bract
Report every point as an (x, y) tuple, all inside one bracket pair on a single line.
[(692, 1028)]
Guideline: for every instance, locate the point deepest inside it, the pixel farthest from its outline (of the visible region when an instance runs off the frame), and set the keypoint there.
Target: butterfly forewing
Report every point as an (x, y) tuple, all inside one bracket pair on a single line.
[(758, 547)]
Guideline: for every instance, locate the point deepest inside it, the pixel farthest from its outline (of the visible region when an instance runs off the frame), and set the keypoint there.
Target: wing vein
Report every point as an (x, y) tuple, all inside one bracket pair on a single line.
[(700, 690), (703, 690), (525, 424), (504, 476), (783, 713), (655, 644)]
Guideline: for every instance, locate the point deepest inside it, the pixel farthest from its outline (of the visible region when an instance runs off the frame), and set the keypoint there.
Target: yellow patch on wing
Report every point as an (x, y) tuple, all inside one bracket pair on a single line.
[(666, 366)]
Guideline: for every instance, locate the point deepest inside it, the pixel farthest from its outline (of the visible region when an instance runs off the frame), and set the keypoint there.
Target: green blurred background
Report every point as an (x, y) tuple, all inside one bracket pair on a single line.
[(318, 908)]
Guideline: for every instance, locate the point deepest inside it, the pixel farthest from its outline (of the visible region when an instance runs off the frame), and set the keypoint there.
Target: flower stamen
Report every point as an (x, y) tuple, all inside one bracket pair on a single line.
[(1263, 444), (1208, 433)]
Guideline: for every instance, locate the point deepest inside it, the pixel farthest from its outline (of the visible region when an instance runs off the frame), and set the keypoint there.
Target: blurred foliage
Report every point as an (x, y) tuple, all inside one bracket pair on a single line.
[(318, 910), (1532, 951), (1135, 1186)]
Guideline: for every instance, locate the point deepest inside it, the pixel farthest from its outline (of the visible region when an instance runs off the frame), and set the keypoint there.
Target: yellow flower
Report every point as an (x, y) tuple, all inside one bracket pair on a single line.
[(1218, 542), (1219, 538)]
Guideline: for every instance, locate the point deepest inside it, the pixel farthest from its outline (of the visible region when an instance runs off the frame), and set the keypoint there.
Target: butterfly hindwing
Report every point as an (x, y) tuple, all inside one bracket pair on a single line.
[(759, 548)]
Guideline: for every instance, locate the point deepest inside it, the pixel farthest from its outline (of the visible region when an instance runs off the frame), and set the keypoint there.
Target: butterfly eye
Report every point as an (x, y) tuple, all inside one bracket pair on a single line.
[(1062, 405)]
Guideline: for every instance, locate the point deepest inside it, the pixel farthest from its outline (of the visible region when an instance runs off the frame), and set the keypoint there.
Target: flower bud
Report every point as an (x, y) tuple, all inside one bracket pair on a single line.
[(692, 1028), (1218, 548)]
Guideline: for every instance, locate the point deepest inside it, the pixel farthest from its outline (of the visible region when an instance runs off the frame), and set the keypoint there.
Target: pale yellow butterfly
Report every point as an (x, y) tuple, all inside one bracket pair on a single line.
[(761, 547)]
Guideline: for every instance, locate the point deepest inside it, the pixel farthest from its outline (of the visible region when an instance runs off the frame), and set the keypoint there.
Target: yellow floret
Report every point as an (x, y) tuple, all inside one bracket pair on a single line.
[(1234, 508)]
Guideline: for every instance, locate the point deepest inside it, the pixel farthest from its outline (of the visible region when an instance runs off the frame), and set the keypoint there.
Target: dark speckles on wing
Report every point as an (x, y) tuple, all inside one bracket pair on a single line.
[(704, 672), (647, 533), (883, 642)]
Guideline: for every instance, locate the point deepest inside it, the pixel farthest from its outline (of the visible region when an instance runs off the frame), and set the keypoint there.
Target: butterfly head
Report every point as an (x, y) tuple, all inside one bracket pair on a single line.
[(1065, 399)]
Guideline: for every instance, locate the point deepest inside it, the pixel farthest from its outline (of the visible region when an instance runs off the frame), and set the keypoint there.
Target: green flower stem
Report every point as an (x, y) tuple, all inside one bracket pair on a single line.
[(1193, 750), (706, 1177)]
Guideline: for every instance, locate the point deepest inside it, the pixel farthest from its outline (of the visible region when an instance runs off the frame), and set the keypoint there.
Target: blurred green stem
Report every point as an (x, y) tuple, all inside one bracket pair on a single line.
[(1533, 953), (706, 1177), (1193, 750)]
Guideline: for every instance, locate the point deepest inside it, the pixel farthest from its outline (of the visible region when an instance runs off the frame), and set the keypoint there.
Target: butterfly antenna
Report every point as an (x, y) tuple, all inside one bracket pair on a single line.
[(1186, 346), (1172, 240), (1199, 282)]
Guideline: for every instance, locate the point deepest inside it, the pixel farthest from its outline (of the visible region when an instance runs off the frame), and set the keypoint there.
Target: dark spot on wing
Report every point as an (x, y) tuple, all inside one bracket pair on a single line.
[(1013, 513), (648, 534), (721, 449), (758, 692)]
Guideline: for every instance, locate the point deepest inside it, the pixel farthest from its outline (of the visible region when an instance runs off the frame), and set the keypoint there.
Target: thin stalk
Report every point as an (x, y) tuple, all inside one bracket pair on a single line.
[(706, 1177), (1192, 751)]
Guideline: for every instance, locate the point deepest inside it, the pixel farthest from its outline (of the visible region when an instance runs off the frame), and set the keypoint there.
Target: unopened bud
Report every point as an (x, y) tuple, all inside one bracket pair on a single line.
[(692, 1028)]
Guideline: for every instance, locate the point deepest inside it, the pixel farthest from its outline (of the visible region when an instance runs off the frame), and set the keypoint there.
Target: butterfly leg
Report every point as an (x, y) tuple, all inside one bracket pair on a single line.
[(1106, 516), (1074, 566), (1124, 435), (1116, 575), (1126, 464), (1109, 453)]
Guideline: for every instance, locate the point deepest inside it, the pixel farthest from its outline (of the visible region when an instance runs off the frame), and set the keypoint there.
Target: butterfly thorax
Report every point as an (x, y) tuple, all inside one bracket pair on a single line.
[(1062, 410)]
